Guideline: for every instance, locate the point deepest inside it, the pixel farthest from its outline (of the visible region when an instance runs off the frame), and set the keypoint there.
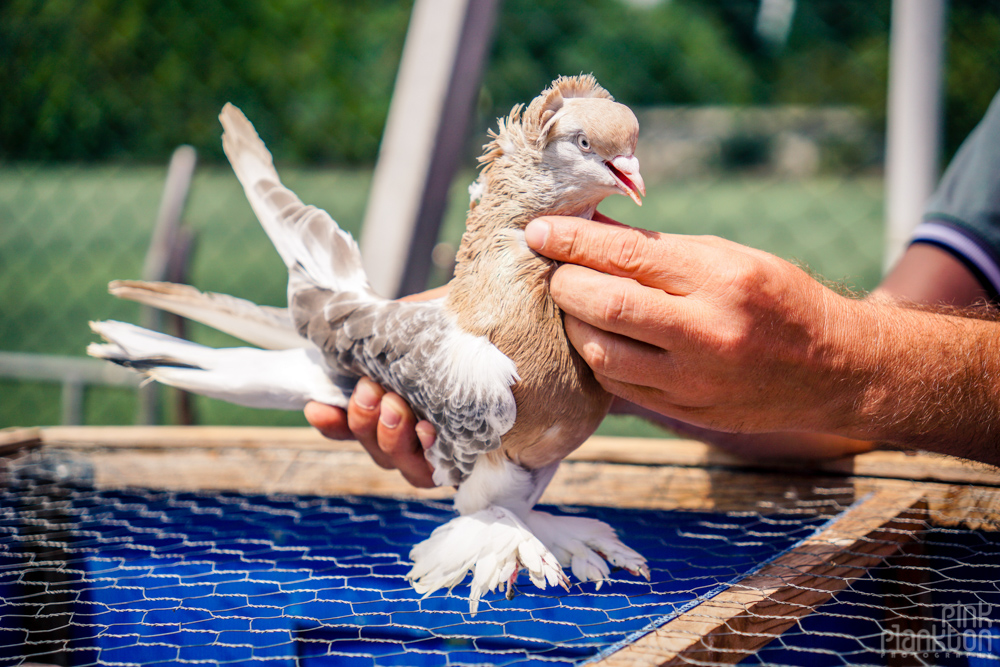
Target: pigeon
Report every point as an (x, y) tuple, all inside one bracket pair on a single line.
[(489, 365)]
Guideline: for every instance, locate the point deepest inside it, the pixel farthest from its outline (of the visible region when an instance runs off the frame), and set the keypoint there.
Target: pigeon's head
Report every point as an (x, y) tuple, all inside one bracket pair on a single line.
[(580, 138), (590, 143)]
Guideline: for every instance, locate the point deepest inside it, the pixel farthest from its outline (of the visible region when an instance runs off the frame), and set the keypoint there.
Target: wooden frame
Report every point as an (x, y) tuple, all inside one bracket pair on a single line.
[(892, 496)]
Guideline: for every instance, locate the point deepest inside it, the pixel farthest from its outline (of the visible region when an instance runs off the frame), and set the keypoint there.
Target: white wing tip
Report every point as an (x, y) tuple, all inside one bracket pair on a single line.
[(99, 327), (231, 117), (239, 137), (103, 351)]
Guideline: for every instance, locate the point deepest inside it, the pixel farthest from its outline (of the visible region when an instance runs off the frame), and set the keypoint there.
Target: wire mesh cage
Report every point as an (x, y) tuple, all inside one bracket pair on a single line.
[(165, 577), (141, 547), (766, 135)]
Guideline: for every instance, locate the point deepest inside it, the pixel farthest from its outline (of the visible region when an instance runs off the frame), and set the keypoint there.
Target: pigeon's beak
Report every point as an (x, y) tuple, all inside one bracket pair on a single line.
[(626, 173)]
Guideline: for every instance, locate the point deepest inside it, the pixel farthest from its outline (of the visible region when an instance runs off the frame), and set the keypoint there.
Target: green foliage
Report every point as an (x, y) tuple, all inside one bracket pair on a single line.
[(973, 58), (672, 52), (135, 78), (131, 79)]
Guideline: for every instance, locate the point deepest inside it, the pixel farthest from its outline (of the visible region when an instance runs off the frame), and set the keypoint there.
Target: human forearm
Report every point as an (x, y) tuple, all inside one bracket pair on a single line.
[(776, 445), (935, 381)]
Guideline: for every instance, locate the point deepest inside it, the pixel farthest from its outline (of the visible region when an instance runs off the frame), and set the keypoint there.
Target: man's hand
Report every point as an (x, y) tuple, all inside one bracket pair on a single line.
[(384, 425), (715, 334), (700, 329)]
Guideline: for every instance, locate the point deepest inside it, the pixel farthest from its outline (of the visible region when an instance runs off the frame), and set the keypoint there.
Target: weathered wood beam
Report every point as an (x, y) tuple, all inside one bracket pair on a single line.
[(17, 439), (167, 235), (735, 623), (638, 451), (433, 100), (620, 472)]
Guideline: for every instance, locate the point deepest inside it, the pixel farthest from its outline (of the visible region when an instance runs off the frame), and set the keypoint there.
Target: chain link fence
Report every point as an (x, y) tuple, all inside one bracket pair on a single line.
[(760, 126)]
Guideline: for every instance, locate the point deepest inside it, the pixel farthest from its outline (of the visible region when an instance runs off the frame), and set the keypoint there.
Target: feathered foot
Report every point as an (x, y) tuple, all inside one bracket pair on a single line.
[(586, 546), (494, 544)]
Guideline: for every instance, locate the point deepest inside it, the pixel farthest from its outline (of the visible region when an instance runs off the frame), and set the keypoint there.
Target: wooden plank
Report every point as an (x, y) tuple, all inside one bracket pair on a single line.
[(267, 471), (951, 505), (916, 466), (637, 451), (162, 246), (741, 619), (301, 471), (17, 439), (187, 437), (282, 460), (299, 460), (891, 464)]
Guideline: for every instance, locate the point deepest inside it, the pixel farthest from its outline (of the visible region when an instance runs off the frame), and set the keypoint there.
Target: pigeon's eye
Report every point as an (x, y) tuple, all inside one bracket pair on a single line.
[(583, 142)]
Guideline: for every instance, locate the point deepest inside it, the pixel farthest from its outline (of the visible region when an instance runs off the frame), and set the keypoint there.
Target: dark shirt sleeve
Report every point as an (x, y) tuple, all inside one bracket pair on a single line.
[(963, 215)]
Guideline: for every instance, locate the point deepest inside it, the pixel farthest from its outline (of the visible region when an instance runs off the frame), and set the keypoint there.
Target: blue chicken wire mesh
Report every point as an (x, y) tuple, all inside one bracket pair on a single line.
[(936, 603), (166, 578)]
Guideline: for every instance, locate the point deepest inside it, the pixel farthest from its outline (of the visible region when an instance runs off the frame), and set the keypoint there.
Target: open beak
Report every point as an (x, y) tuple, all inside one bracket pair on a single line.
[(626, 173)]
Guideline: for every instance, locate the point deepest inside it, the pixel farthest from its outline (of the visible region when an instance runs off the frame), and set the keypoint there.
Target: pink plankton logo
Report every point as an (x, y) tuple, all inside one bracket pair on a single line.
[(955, 629)]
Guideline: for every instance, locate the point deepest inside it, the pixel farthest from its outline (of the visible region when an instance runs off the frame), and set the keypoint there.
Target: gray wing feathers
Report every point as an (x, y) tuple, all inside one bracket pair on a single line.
[(458, 382), (266, 327), (315, 250)]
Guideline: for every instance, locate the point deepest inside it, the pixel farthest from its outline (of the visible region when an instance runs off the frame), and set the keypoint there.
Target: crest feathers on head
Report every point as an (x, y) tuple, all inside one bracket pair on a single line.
[(534, 125), (544, 109)]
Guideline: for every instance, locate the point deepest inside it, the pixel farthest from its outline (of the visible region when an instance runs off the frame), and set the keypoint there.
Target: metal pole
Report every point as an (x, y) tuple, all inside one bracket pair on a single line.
[(913, 132), (438, 81)]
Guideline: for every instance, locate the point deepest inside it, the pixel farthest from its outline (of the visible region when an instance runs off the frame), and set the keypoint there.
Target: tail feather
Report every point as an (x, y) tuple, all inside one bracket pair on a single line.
[(280, 379), (263, 326), (316, 251)]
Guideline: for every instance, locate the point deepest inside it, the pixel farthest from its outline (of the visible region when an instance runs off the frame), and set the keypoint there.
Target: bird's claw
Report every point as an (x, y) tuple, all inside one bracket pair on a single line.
[(587, 546)]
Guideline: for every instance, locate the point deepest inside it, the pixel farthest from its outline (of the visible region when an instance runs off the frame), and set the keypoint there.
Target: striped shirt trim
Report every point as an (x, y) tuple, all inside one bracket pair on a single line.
[(961, 244)]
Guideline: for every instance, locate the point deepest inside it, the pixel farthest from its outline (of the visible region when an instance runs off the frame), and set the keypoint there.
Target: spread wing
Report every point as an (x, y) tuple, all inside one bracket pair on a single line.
[(459, 382)]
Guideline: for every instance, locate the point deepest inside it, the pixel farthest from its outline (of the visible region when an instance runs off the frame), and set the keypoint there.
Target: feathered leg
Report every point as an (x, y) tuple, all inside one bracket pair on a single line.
[(494, 544), (498, 535), (585, 545)]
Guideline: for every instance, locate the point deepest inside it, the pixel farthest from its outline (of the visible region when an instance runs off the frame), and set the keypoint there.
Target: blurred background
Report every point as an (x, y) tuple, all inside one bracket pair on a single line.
[(765, 129)]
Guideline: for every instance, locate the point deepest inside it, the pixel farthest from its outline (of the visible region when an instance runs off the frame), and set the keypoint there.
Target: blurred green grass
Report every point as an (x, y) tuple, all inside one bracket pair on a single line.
[(65, 232)]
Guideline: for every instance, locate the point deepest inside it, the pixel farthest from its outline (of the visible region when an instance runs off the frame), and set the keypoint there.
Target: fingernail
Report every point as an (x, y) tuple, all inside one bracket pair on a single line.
[(536, 233), (426, 434), (389, 417), (365, 395)]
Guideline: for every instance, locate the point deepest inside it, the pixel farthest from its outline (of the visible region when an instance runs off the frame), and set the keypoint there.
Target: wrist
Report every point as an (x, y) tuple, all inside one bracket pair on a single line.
[(849, 353), (872, 342)]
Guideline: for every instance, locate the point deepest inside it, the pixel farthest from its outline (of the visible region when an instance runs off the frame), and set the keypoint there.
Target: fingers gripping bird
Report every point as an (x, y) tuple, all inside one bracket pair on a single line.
[(489, 365)]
